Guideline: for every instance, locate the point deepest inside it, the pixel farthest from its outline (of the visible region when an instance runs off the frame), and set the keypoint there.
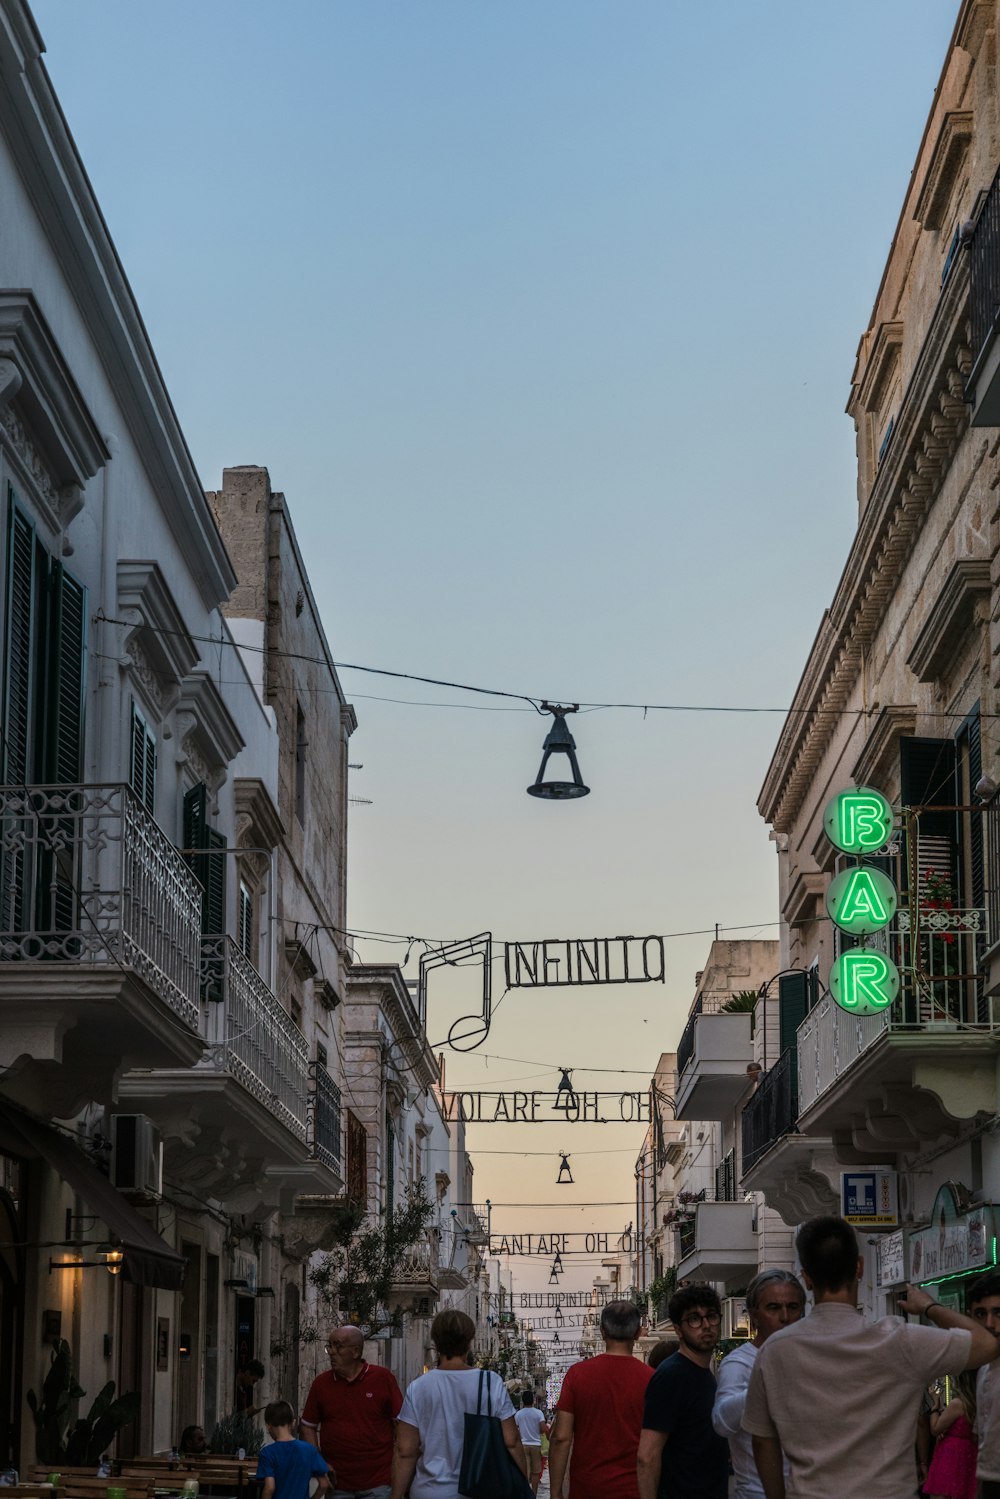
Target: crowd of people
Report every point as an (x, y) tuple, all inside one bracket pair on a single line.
[(824, 1405)]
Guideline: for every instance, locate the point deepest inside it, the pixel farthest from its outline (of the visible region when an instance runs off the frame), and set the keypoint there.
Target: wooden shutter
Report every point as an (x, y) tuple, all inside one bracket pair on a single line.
[(65, 677), (208, 865), (21, 646), (142, 762), (793, 1003), (246, 923), (927, 778)]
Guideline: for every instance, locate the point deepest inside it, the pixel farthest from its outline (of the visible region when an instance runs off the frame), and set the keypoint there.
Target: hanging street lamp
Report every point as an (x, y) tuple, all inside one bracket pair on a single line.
[(559, 741)]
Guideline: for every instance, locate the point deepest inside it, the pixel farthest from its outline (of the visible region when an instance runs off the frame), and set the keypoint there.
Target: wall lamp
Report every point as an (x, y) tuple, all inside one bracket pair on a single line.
[(112, 1262)]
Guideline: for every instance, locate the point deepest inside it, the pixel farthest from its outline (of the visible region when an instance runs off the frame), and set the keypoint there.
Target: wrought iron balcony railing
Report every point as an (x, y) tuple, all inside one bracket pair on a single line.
[(88, 877), (984, 271), (773, 1110), (252, 1038), (419, 1265), (326, 1117)]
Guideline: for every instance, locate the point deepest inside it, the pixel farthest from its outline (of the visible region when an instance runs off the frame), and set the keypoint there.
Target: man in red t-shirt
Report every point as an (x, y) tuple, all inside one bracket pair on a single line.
[(350, 1415), (599, 1415)]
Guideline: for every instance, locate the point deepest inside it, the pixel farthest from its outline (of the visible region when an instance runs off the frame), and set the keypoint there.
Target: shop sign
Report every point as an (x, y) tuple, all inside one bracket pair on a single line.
[(891, 1257), (954, 1241), (869, 1199), (245, 1268), (861, 901)]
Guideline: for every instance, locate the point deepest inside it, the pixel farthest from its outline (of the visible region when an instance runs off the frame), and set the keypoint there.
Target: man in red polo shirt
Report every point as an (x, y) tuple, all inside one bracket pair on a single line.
[(599, 1415), (350, 1415)]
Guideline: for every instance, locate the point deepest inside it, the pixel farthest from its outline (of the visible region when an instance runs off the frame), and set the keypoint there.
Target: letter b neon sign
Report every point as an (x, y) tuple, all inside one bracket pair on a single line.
[(858, 821)]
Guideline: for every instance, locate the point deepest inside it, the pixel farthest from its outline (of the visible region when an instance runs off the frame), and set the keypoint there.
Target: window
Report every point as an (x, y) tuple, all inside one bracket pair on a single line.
[(142, 761), (300, 764), (207, 858), (246, 932), (357, 1160), (44, 668)]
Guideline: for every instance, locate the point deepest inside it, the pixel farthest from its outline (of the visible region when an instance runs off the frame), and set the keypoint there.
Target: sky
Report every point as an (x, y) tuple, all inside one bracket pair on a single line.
[(542, 314)]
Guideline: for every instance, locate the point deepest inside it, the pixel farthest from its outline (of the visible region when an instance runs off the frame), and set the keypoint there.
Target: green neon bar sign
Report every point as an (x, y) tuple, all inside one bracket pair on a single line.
[(861, 901), (858, 821), (864, 982)]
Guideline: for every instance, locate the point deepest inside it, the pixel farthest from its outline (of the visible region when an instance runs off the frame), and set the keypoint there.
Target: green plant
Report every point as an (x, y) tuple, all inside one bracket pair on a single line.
[(85, 1443), (52, 1411), (91, 1437), (743, 1002), (355, 1278), (664, 1286), (235, 1431)]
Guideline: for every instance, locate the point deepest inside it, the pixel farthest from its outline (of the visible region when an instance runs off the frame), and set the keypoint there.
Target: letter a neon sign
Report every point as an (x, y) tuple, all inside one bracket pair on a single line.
[(858, 821), (861, 901), (863, 981)]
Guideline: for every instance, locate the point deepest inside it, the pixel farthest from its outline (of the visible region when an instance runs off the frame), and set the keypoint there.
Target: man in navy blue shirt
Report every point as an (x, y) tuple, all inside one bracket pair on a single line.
[(680, 1455), (287, 1465)]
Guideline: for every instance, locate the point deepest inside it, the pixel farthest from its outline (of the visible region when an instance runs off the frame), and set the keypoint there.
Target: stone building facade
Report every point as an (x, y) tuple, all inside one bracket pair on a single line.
[(899, 693)]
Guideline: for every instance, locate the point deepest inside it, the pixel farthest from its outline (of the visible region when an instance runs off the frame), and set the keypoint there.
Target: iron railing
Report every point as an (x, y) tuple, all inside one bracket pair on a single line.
[(687, 1235), (419, 1265), (773, 1110), (326, 1117), (252, 1038), (984, 271), (88, 877)]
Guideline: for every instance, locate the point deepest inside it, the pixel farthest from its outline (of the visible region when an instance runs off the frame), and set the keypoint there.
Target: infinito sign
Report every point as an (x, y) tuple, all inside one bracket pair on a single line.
[(591, 960)]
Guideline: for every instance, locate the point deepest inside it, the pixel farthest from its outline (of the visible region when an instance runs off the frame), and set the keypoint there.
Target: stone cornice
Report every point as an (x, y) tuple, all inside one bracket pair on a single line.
[(931, 420), (56, 182), (880, 751), (214, 729), (254, 801), (950, 150), (946, 629), (145, 596), (50, 401)]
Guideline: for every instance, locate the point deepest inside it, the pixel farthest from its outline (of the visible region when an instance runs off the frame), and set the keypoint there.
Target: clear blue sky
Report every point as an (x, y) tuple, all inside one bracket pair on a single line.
[(542, 313)]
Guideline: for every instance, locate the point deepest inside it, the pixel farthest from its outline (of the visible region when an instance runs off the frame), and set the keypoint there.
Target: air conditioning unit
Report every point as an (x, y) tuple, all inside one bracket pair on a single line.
[(136, 1157), (735, 1322)]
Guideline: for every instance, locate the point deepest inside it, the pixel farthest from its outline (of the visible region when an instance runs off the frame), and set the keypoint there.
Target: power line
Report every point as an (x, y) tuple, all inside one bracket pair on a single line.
[(534, 699)]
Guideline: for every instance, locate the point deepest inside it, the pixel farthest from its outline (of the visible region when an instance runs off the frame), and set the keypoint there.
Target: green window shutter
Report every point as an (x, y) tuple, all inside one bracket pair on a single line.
[(66, 676), (142, 761), (195, 817), (21, 645), (793, 1003), (246, 923), (214, 904)]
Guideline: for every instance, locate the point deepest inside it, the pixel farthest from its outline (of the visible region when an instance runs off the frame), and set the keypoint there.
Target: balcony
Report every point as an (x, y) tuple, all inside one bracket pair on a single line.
[(719, 1243), (890, 1082), (984, 278), (100, 926), (415, 1280), (712, 1059), (247, 1099), (794, 1172)]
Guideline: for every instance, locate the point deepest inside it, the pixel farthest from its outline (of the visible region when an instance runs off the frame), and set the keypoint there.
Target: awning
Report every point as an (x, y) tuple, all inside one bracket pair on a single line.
[(149, 1260)]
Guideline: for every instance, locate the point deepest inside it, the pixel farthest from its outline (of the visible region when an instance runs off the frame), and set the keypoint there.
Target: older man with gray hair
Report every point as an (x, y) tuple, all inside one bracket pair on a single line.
[(774, 1299), (350, 1415)]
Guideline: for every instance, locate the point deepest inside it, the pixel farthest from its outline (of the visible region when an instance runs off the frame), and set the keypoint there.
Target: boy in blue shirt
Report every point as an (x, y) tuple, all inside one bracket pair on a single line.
[(287, 1465)]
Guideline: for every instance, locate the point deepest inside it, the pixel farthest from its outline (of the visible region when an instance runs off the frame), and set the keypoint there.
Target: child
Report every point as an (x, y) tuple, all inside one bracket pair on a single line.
[(287, 1465)]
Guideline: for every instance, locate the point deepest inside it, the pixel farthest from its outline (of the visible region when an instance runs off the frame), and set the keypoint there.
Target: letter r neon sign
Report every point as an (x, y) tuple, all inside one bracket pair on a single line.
[(864, 981)]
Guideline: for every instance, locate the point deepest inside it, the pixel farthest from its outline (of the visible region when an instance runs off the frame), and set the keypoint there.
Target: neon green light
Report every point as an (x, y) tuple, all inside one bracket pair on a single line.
[(864, 982), (861, 901), (858, 821), (961, 1274)]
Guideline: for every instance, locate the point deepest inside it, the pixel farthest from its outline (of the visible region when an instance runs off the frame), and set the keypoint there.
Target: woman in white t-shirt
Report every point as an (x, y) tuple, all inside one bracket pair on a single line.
[(430, 1430)]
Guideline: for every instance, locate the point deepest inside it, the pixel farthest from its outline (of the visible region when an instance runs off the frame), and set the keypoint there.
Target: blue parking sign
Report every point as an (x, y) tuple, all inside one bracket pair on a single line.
[(869, 1198)]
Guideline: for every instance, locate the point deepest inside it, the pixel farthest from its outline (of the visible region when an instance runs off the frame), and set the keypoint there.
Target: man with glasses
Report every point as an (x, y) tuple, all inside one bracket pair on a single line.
[(350, 1415), (680, 1455), (984, 1307)]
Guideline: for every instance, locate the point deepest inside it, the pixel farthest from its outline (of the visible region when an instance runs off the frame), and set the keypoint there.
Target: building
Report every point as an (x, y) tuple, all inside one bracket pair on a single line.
[(899, 693), (702, 1222)]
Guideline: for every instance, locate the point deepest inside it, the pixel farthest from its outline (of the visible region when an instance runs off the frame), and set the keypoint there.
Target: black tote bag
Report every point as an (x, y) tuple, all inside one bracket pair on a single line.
[(488, 1469)]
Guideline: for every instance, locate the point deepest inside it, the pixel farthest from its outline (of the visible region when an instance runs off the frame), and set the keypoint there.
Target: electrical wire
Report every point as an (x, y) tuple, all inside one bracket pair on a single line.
[(534, 699)]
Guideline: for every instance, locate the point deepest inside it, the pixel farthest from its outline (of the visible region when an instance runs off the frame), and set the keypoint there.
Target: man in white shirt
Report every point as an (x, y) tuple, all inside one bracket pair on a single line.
[(838, 1396), (775, 1299), (984, 1307), (531, 1424)]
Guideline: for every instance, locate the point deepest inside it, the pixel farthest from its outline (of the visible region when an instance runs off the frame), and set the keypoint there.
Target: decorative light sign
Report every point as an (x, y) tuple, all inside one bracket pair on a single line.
[(858, 821), (864, 981), (861, 901)]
